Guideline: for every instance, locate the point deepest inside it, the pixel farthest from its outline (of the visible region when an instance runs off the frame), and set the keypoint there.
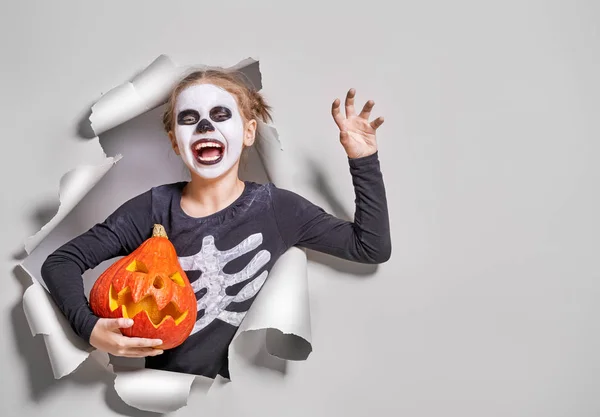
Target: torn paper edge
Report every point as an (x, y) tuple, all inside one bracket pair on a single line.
[(44, 317), (145, 92), (287, 277), (74, 185)]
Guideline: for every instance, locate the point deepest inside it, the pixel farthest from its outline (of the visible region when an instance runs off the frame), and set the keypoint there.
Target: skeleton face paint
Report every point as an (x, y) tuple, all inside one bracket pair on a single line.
[(209, 129)]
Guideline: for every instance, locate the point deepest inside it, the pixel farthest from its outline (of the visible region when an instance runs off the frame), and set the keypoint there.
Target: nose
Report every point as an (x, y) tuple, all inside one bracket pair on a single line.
[(158, 282), (204, 126)]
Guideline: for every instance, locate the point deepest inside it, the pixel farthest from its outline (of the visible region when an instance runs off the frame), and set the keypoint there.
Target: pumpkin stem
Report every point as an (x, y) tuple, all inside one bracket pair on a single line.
[(159, 231)]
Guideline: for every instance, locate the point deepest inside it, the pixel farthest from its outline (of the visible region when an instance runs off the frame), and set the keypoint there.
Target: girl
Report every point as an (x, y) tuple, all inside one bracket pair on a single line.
[(228, 233)]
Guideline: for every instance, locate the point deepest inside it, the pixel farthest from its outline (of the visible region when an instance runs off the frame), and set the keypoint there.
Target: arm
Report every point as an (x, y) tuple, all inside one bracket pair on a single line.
[(122, 232), (365, 240)]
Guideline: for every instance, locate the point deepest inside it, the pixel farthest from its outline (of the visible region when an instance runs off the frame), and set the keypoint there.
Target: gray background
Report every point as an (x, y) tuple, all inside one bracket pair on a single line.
[(488, 306)]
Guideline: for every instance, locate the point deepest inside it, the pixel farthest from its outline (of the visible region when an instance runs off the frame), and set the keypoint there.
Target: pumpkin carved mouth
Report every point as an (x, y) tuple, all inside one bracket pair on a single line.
[(147, 304)]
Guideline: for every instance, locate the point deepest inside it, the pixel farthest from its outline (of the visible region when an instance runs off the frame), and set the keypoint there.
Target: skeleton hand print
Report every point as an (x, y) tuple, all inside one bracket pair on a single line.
[(211, 261)]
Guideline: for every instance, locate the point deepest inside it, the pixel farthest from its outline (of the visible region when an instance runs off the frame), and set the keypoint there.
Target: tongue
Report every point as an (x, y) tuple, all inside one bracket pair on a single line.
[(209, 152)]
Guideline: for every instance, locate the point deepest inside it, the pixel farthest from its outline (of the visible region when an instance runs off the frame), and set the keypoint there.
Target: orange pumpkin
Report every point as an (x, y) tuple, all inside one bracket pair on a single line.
[(148, 286)]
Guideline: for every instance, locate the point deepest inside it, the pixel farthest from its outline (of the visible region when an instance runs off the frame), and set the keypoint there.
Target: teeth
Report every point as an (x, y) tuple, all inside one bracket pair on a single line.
[(208, 145), (212, 158)]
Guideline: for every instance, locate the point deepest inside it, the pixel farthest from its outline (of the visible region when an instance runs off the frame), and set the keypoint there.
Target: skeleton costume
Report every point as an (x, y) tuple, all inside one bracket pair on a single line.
[(227, 255)]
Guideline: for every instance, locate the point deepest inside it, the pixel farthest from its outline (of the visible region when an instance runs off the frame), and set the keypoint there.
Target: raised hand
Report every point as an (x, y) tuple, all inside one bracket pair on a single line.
[(107, 337), (357, 134)]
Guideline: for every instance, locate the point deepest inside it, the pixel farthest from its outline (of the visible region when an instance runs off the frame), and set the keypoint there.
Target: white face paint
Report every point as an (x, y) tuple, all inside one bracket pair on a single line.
[(209, 129)]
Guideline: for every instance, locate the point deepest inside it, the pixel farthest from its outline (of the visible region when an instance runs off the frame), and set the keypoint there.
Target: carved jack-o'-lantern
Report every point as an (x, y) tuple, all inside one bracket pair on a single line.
[(148, 286)]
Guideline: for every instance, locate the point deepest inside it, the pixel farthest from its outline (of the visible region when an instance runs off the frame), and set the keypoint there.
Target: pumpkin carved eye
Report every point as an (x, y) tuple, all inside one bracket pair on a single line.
[(137, 266), (177, 279)]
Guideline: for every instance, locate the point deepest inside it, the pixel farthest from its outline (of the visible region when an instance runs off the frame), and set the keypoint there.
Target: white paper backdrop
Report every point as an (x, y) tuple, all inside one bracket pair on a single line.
[(488, 305)]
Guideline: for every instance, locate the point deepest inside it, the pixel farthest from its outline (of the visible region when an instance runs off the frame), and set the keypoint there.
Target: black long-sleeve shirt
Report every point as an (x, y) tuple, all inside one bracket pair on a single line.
[(227, 255)]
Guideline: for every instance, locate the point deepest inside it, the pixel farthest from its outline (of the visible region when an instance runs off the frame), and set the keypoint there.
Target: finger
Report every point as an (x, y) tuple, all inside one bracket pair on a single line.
[(366, 111), (377, 122), (139, 352), (335, 112), (114, 324), (350, 102), (138, 342)]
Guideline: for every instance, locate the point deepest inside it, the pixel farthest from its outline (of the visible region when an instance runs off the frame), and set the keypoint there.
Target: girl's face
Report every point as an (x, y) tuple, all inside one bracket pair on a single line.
[(209, 130)]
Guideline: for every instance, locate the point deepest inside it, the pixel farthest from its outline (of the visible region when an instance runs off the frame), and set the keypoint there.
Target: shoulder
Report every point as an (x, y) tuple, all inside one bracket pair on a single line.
[(167, 189), (284, 199), (278, 193), (138, 213), (161, 195), (144, 201)]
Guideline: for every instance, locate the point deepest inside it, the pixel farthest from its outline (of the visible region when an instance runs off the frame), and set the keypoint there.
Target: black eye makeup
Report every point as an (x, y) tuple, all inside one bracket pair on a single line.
[(220, 114), (188, 117)]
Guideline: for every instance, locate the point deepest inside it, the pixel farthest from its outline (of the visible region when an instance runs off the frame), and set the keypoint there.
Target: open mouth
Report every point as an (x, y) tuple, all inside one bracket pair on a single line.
[(147, 304), (208, 151)]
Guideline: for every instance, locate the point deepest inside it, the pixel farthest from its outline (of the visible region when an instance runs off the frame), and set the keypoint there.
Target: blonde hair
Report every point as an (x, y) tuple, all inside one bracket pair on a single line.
[(252, 104)]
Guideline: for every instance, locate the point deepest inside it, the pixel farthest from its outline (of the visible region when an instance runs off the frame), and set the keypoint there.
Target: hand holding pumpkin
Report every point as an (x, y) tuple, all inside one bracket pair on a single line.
[(106, 336)]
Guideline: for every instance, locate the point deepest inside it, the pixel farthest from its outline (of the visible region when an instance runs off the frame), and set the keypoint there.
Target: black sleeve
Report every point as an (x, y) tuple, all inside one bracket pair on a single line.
[(121, 233), (366, 240)]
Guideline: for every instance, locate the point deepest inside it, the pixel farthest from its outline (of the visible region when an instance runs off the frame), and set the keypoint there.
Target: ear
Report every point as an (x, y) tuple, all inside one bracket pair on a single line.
[(250, 132), (174, 142)]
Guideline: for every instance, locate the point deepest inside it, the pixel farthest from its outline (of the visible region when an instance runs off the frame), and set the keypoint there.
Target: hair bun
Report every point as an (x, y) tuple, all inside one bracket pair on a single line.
[(260, 108)]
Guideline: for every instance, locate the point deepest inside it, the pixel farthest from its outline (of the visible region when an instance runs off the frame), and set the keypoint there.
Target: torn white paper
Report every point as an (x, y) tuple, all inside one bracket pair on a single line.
[(152, 390), (66, 350), (145, 92), (73, 187), (281, 309)]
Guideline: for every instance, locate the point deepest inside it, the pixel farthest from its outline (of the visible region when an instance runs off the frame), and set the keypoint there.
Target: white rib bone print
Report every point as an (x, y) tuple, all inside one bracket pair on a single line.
[(211, 261)]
